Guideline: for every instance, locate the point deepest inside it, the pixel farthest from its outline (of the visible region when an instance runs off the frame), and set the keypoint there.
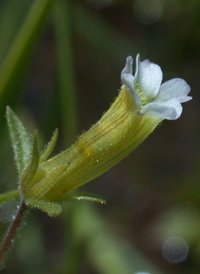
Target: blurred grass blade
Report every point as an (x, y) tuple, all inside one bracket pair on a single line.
[(22, 46), (7, 196), (33, 165), (83, 196), (20, 140), (11, 19), (108, 253), (65, 69), (50, 147)]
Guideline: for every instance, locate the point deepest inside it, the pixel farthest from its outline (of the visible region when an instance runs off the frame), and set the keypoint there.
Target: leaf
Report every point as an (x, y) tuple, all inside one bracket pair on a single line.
[(20, 140), (51, 208), (19, 52), (50, 147), (7, 196), (33, 166), (104, 248), (83, 196)]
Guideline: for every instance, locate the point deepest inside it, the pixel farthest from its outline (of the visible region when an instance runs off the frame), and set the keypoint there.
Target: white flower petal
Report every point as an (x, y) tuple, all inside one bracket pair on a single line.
[(149, 77), (170, 110), (128, 80), (128, 69), (174, 88), (185, 99)]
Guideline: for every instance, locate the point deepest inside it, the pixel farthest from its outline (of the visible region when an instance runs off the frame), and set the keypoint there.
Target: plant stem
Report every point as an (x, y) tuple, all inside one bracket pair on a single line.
[(12, 230)]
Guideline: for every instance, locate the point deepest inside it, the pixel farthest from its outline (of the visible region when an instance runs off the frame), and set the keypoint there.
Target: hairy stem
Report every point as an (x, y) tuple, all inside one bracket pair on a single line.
[(12, 230)]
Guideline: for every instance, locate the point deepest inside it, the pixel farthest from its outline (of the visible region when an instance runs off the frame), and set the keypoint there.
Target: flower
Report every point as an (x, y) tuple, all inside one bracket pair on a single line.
[(150, 97), (140, 106)]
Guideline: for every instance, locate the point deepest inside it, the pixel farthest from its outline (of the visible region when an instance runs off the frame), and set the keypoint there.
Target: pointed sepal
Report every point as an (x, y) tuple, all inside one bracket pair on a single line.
[(20, 140), (83, 196), (51, 208), (50, 147), (32, 167)]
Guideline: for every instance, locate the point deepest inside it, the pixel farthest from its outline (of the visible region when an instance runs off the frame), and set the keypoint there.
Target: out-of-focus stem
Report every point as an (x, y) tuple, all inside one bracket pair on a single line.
[(65, 68), (69, 115)]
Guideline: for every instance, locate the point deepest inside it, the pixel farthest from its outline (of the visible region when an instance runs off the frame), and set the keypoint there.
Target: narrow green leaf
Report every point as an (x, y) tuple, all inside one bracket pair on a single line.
[(51, 208), (107, 251), (13, 65), (33, 166), (50, 147), (7, 196), (83, 196), (11, 18), (20, 140)]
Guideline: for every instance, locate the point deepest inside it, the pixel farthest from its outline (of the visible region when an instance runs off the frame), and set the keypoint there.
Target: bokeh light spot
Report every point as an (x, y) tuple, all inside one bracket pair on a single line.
[(175, 250), (148, 11)]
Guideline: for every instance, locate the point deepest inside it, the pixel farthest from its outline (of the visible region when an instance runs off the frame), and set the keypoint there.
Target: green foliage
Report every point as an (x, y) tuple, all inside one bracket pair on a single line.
[(32, 167), (13, 64), (108, 253), (51, 208), (7, 196), (83, 196), (49, 147), (28, 160), (20, 141)]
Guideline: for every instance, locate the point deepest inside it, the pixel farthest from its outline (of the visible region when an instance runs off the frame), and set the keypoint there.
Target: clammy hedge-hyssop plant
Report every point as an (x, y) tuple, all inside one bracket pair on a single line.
[(142, 103)]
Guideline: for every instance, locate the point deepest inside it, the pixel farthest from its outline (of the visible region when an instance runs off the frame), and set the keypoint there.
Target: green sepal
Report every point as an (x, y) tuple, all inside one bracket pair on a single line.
[(51, 208), (7, 196), (50, 147), (84, 196), (32, 167), (20, 140)]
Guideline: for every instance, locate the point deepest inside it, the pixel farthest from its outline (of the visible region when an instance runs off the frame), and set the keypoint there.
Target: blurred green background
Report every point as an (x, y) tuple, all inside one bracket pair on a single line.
[(60, 67)]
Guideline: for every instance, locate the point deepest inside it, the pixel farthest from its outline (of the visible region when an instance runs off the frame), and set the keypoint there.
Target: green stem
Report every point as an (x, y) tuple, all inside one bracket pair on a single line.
[(22, 44), (12, 230)]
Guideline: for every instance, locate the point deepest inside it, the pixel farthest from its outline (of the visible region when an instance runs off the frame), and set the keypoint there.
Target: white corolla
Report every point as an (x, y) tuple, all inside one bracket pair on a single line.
[(150, 96)]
